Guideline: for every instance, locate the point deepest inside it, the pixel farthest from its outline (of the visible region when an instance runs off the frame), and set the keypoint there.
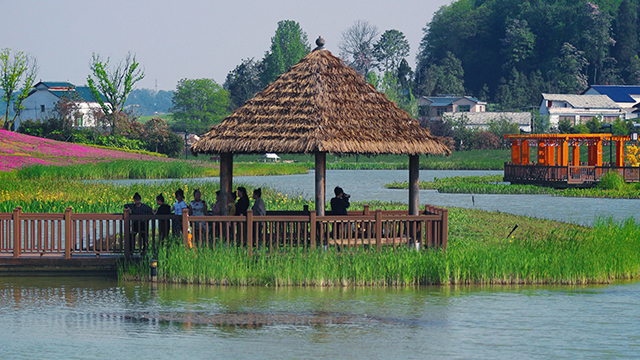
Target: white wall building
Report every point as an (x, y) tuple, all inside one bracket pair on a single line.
[(579, 108), (45, 95)]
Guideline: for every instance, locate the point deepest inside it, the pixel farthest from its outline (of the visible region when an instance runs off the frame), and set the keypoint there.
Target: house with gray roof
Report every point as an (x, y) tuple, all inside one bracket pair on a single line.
[(45, 95), (579, 108), (481, 120), (436, 106)]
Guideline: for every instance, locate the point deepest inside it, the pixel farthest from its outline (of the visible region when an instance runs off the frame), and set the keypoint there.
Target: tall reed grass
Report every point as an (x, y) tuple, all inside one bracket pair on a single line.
[(601, 254)]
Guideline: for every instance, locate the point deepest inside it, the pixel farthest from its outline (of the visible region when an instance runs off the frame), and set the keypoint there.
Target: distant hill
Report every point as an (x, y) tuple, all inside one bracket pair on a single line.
[(19, 150)]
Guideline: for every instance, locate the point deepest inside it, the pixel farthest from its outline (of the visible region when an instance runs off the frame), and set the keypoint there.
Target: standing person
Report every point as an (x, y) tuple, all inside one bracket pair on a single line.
[(177, 209), (216, 208), (340, 203), (231, 206), (163, 209), (139, 227), (243, 202), (197, 207), (259, 208), (339, 206)]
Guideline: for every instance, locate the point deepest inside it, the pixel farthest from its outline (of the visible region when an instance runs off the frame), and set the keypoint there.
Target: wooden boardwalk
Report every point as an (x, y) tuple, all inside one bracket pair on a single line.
[(96, 241)]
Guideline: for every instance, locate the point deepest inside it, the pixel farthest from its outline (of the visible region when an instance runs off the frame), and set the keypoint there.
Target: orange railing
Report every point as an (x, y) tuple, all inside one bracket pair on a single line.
[(64, 235), (584, 174)]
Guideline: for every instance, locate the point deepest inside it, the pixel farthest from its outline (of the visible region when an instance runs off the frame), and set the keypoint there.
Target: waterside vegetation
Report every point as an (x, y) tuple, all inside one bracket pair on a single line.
[(538, 252), (612, 185)]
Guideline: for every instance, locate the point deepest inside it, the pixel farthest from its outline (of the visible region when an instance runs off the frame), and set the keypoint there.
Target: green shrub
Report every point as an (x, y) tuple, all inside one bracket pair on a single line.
[(612, 181)]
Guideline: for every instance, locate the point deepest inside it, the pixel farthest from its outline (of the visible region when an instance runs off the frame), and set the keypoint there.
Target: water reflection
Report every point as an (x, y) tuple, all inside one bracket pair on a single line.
[(67, 317)]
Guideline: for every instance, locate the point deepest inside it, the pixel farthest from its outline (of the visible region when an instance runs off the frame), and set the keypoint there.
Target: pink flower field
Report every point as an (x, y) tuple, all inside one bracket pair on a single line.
[(19, 150)]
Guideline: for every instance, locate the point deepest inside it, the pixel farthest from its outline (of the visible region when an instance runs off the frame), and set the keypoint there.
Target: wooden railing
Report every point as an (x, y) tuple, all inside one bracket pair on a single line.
[(583, 174), (70, 234)]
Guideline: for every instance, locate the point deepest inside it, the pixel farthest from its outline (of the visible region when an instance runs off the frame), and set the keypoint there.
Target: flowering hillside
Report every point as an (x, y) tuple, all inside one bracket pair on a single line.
[(19, 150)]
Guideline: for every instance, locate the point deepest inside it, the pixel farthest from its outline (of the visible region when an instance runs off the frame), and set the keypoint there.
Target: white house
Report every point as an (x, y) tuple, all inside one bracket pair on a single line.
[(45, 95), (625, 96), (481, 120), (579, 108), (438, 105)]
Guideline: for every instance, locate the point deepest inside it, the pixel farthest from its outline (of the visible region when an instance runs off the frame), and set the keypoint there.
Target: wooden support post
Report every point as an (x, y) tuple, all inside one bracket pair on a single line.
[(365, 210), (563, 153), (575, 157), (542, 154), (321, 173), (592, 155), (445, 228), (17, 232), (379, 229), (515, 152), (312, 229), (185, 227), (226, 181), (524, 160), (68, 233), (620, 153), (127, 233), (598, 153), (551, 155), (414, 184), (250, 232)]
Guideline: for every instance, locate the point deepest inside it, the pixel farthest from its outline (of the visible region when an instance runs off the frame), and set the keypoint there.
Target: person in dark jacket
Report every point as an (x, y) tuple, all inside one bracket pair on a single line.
[(163, 209), (138, 227), (340, 203), (243, 202)]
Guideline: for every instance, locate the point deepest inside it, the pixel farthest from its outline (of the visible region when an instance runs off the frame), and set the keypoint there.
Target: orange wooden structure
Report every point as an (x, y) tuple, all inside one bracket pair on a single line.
[(558, 160)]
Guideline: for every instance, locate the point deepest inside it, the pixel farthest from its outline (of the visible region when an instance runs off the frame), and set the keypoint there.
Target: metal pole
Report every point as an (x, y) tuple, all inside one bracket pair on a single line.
[(186, 139)]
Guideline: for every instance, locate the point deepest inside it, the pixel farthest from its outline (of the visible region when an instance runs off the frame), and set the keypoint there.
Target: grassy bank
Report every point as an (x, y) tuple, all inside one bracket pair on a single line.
[(539, 252), (145, 169), (610, 187)]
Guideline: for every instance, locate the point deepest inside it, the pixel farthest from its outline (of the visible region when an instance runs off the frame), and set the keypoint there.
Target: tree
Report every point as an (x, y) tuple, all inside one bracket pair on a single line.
[(199, 103), (110, 86), (160, 139), (390, 50), (17, 77), (625, 49), (288, 46), (568, 75), (518, 43), (243, 82), (356, 46)]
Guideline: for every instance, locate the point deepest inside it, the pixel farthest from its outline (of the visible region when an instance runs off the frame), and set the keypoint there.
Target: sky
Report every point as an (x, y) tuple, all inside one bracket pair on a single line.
[(190, 38)]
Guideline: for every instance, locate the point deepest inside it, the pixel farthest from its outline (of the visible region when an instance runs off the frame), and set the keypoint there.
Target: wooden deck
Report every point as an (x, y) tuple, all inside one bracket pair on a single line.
[(564, 176), (96, 241)]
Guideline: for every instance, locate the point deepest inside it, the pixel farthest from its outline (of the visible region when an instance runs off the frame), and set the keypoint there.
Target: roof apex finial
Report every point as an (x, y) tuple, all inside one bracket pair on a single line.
[(320, 42)]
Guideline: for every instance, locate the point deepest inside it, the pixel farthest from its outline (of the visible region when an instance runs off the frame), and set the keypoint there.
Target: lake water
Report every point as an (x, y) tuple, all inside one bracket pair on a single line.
[(87, 318), (368, 185)]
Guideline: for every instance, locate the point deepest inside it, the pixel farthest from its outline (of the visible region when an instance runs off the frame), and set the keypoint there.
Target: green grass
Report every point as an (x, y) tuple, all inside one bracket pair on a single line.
[(539, 252), (143, 169), (612, 186), (167, 117)]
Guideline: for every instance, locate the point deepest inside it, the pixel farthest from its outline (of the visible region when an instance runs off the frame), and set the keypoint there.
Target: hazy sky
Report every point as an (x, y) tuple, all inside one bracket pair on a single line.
[(189, 38)]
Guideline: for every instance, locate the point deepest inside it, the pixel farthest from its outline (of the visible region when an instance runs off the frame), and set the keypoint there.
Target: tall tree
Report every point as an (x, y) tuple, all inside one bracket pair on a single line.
[(288, 46), (626, 47), (114, 83), (518, 43), (568, 74), (356, 46), (390, 50), (243, 82), (595, 38), (18, 74), (199, 103)]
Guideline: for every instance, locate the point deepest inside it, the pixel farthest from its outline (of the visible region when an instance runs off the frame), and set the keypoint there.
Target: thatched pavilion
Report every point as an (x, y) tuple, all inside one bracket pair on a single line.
[(320, 106)]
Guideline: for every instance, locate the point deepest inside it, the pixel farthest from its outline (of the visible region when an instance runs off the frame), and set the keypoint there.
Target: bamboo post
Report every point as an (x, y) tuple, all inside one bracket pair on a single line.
[(312, 229), (250, 232), (414, 184), (185, 226), (378, 229), (17, 231), (226, 180), (68, 233), (321, 172), (127, 233)]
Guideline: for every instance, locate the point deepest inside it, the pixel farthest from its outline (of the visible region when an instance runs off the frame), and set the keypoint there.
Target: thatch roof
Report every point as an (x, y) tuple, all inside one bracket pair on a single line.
[(320, 104)]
